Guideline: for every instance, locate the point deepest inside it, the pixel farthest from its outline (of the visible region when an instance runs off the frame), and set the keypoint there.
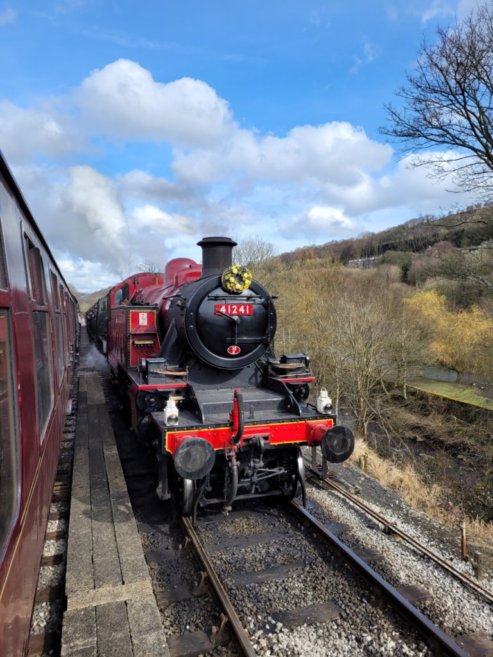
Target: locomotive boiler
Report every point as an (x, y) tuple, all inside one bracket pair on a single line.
[(193, 351)]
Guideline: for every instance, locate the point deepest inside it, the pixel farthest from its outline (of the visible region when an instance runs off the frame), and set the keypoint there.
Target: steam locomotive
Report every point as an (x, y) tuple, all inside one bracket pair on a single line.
[(193, 351)]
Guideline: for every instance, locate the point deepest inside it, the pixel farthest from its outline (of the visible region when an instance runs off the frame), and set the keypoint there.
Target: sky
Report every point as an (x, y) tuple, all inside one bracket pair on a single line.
[(134, 129)]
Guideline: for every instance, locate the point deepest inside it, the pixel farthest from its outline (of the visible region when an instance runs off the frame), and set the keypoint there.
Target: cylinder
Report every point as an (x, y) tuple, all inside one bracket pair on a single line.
[(216, 255)]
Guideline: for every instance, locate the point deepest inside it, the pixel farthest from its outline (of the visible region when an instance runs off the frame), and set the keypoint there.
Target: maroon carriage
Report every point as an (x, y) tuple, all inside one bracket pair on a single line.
[(38, 336)]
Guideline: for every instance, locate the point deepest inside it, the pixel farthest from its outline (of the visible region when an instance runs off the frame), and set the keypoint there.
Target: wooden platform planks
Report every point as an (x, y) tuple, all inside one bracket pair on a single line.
[(111, 609)]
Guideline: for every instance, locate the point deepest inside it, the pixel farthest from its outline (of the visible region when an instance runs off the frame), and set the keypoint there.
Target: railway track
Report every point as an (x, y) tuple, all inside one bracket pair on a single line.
[(222, 549), (264, 581), (225, 585), (390, 527), (224, 599), (432, 635), (46, 624)]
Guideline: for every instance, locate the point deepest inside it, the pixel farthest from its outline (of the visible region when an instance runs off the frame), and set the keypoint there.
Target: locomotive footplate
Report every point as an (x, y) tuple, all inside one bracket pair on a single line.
[(274, 421), (281, 425), (157, 379)]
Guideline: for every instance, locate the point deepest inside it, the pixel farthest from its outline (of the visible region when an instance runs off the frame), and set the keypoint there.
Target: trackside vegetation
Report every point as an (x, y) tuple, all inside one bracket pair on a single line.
[(372, 334)]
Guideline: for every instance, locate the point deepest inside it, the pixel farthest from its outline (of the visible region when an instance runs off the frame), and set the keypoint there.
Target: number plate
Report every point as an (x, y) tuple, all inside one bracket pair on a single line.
[(233, 309)]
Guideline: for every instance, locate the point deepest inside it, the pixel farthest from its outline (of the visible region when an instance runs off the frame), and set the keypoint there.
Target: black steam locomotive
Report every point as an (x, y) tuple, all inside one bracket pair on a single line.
[(192, 349)]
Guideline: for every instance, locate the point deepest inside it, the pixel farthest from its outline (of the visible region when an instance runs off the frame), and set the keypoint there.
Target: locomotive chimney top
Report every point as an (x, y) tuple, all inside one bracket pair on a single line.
[(216, 255)]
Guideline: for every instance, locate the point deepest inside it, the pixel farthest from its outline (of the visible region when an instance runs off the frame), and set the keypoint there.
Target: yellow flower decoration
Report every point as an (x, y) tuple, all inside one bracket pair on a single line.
[(236, 279)]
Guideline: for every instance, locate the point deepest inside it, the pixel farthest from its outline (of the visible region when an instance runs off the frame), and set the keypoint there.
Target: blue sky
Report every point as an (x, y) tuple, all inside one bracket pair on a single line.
[(136, 128)]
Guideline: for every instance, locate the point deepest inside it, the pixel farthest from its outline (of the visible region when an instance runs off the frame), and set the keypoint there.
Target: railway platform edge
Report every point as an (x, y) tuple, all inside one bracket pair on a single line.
[(111, 609)]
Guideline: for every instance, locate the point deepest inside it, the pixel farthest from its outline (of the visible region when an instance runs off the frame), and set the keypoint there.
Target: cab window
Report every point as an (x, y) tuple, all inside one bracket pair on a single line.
[(122, 295)]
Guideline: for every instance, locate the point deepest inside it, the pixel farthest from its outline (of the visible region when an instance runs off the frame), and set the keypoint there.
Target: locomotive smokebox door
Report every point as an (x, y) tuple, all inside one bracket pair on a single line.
[(214, 320)]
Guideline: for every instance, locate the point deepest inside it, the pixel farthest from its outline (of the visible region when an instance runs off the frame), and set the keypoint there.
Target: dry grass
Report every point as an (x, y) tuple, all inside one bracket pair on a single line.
[(407, 482), (453, 391)]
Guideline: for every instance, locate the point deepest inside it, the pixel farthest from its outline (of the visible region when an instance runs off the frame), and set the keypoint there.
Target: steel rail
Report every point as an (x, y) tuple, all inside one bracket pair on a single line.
[(219, 589), (424, 625), (463, 577)]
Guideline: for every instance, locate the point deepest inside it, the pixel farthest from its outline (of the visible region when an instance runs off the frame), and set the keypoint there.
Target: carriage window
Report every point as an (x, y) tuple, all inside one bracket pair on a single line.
[(60, 356), (36, 272), (42, 352), (62, 299), (54, 291), (3, 264), (9, 458), (63, 325), (71, 320)]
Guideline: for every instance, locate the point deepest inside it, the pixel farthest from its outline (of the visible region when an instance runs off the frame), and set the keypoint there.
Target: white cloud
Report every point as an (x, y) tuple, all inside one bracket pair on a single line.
[(89, 220), (327, 218), (142, 184), (314, 183), (417, 186), (28, 132), (92, 196), (7, 16), (122, 100), (370, 52), (320, 221), (153, 218), (442, 9), (437, 9), (335, 151), (85, 275), (406, 185)]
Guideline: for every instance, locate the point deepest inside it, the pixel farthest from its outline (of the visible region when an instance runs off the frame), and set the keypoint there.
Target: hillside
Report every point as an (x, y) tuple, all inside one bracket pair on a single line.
[(428, 247), (86, 300), (467, 228)]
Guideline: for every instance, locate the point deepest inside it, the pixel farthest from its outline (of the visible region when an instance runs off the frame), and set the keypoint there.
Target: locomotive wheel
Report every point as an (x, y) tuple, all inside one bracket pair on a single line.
[(231, 486), (293, 491), (300, 475), (297, 476), (300, 467), (186, 496)]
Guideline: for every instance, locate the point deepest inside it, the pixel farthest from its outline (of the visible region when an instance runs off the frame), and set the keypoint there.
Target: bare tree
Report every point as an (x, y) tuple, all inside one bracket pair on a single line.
[(252, 251), (448, 102), (150, 267), (475, 266)]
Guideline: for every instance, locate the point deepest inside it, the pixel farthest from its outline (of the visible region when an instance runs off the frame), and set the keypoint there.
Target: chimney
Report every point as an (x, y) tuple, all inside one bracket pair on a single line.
[(216, 255)]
